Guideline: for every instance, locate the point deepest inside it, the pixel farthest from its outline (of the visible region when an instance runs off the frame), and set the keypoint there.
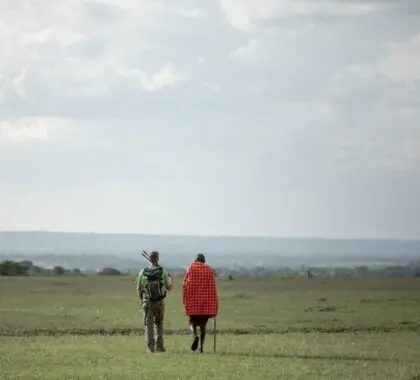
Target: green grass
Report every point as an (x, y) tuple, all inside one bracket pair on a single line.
[(272, 305), (268, 328), (293, 356)]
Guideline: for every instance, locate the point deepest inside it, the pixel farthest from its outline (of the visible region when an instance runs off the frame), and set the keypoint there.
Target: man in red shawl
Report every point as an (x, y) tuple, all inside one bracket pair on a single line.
[(200, 298)]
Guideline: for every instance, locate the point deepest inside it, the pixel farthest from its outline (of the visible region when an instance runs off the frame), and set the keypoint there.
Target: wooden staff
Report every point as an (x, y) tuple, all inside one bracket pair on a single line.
[(214, 334)]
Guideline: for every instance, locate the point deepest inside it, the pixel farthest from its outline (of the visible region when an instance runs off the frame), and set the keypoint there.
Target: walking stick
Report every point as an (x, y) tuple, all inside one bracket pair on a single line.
[(214, 334)]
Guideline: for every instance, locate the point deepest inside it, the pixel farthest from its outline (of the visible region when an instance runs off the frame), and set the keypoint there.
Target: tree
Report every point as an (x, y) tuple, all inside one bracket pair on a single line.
[(109, 272), (12, 268), (361, 271), (58, 271), (37, 271), (27, 263)]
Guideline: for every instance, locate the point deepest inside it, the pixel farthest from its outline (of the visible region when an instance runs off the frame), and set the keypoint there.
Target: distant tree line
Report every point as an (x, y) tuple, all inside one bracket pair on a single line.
[(409, 270), (27, 268)]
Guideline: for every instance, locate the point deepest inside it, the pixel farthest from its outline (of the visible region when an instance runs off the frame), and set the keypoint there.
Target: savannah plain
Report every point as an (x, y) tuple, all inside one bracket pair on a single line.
[(90, 327)]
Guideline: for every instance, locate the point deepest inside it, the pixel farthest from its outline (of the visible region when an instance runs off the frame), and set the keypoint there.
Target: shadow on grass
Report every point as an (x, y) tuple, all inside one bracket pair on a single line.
[(309, 357)]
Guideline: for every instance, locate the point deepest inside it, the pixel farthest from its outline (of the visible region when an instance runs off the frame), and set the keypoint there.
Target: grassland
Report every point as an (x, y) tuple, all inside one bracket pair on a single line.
[(298, 328)]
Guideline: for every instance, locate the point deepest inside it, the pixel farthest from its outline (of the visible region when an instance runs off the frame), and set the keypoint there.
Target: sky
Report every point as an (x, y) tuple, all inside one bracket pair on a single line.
[(230, 117)]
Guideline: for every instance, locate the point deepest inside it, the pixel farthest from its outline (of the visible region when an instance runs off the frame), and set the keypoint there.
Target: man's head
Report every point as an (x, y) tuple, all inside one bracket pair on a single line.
[(154, 257), (200, 258)]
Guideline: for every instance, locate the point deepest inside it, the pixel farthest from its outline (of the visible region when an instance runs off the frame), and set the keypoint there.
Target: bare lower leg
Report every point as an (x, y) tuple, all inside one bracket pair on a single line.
[(194, 345), (202, 337), (193, 329)]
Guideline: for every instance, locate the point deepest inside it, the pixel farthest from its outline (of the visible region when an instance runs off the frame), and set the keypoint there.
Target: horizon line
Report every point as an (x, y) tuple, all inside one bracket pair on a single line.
[(210, 236)]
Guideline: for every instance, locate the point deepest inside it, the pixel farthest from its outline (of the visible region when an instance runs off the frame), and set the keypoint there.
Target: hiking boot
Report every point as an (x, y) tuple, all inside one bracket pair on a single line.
[(160, 349), (149, 351)]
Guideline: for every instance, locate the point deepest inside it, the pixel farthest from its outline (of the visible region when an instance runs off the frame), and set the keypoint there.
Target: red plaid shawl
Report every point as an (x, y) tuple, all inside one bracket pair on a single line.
[(200, 291)]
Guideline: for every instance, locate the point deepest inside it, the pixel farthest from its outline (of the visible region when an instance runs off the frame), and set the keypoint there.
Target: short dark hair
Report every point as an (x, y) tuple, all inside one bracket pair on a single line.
[(200, 258), (154, 256)]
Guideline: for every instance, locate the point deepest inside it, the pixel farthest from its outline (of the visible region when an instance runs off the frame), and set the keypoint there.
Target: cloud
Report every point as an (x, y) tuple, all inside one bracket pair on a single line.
[(245, 52), (12, 85), (378, 103), (259, 107), (245, 15), (34, 130), (378, 120), (191, 13), (55, 55), (165, 77), (398, 63), (402, 61)]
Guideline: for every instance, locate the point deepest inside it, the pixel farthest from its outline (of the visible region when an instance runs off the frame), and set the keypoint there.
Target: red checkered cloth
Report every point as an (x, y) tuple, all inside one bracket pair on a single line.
[(200, 291)]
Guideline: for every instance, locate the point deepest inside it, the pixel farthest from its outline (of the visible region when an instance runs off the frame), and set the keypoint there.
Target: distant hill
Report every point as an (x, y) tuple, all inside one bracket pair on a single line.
[(221, 250)]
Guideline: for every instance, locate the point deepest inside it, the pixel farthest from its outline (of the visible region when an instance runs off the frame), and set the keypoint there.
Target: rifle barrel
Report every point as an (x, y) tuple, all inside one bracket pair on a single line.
[(145, 255)]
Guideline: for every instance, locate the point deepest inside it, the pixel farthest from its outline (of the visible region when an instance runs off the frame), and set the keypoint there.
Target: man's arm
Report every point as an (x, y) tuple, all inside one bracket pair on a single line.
[(139, 281), (166, 279)]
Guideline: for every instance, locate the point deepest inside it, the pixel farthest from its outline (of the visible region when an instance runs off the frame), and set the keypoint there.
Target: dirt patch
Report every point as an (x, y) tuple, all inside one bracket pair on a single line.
[(241, 296), (377, 300), (321, 309)]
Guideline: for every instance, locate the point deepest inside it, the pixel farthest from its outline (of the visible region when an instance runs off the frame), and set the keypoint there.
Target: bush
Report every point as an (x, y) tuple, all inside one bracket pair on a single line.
[(109, 272), (13, 268), (58, 271)]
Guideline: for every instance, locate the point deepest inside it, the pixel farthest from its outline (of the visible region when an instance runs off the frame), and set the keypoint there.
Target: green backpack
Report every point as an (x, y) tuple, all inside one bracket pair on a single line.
[(155, 288)]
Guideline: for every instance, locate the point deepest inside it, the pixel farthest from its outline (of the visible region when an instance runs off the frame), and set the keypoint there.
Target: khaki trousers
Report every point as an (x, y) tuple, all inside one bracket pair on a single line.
[(153, 313)]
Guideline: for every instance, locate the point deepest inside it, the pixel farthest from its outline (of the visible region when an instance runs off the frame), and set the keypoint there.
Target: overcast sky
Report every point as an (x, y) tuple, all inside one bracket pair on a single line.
[(244, 117)]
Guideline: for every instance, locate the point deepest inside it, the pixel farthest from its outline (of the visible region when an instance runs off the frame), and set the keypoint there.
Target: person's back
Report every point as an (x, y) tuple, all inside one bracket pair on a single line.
[(153, 283), (200, 286), (200, 297)]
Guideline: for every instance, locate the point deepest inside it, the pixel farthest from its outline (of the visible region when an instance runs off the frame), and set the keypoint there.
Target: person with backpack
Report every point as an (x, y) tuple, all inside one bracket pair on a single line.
[(153, 283)]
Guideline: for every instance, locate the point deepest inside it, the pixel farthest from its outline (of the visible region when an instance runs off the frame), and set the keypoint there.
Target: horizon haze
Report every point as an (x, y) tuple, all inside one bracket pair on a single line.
[(88, 249)]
